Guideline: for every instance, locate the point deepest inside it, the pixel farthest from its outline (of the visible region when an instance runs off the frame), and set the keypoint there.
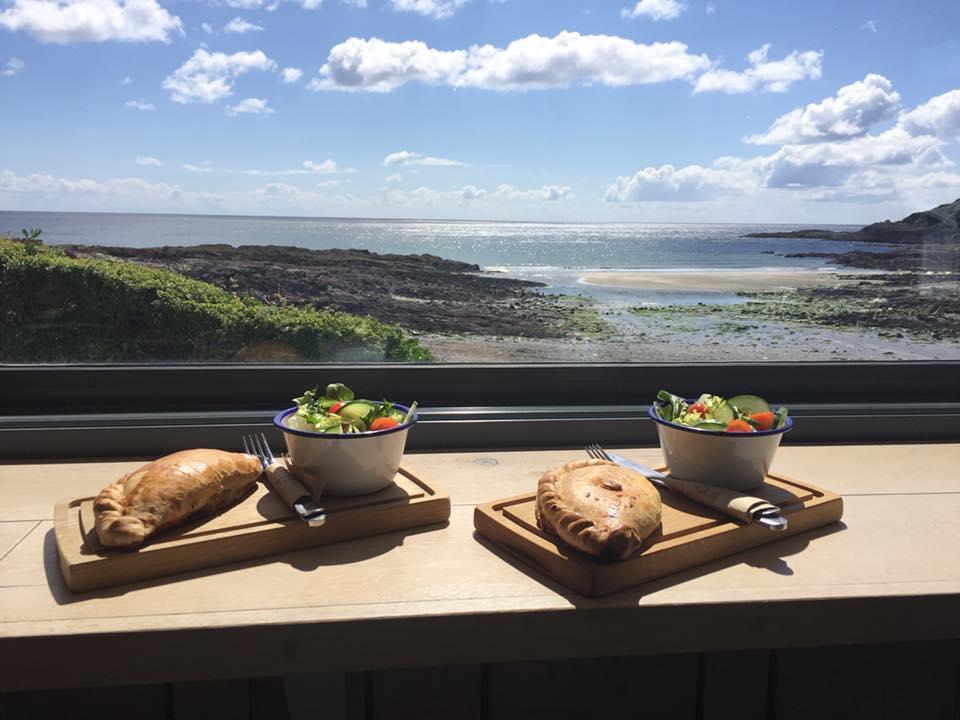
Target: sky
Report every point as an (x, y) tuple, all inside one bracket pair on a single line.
[(552, 110)]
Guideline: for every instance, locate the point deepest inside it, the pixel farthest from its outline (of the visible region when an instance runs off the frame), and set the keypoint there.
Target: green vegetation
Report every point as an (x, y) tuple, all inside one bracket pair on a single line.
[(54, 308), (577, 314), (924, 312)]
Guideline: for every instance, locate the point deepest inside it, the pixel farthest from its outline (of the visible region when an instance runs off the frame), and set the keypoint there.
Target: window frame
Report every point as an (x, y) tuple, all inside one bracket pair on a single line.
[(51, 411)]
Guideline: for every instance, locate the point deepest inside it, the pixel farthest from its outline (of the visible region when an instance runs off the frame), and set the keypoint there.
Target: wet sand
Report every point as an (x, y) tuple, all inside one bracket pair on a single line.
[(710, 281)]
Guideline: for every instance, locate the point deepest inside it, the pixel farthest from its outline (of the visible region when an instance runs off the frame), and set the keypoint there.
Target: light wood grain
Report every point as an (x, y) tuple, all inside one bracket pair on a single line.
[(261, 525), (393, 575), (30, 490), (12, 533), (690, 534), (430, 598)]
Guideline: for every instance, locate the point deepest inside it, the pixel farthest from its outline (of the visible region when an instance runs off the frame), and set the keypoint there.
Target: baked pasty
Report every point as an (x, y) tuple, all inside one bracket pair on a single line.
[(598, 507), (165, 492)]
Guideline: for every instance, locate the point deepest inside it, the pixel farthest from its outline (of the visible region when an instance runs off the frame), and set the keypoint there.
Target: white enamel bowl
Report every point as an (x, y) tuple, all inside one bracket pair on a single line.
[(738, 461), (353, 464)]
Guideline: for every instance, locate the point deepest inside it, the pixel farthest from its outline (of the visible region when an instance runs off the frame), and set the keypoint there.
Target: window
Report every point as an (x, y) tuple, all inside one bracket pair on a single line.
[(524, 214), (473, 181)]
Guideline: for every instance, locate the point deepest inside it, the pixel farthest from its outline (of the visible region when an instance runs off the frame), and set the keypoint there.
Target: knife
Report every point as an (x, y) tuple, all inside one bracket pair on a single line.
[(743, 507), (294, 492)]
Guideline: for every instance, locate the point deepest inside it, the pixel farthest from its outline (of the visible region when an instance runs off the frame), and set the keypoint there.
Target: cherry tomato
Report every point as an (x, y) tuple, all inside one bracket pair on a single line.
[(335, 407), (699, 407), (382, 423), (739, 426), (764, 420)]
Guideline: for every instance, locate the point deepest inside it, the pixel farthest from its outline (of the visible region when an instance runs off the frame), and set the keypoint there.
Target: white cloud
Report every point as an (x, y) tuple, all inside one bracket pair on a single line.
[(870, 25), (203, 168), (250, 106), (138, 105), (547, 193), (46, 184), (833, 163), (133, 194), (69, 21), (437, 9), (763, 74), (240, 26), (379, 66), (405, 157), (666, 182), (710, 9), (327, 166), (207, 28), (468, 194), (147, 160), (290, 75), (271, 5), (207, 77), (13, 67), (127, 80), (826, 155), (307, 167), (533, 62), (655, 9), (850, 113), (938, 116)]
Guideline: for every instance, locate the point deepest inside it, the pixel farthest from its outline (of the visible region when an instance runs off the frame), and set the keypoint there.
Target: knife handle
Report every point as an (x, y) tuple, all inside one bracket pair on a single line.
[(742, 507), (290, 489)]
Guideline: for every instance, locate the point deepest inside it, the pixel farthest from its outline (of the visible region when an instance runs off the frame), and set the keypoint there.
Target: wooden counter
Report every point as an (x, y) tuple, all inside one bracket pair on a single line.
[(889, 572)]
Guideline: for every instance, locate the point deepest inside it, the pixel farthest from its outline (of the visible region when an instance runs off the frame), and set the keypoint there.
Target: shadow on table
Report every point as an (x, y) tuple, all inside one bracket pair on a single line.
[(772, 557), (305, 560)]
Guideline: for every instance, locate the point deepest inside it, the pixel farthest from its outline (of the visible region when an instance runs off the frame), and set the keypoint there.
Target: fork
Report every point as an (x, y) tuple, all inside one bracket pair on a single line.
[(745, 508), (294, 493)]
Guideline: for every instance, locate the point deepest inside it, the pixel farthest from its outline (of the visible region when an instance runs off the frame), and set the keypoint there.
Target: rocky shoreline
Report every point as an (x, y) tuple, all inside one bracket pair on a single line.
[(422, 293), (893, 302)]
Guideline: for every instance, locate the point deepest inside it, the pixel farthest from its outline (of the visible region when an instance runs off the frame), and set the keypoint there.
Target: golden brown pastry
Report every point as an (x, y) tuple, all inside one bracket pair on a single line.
[(598, 507), (167, 491)]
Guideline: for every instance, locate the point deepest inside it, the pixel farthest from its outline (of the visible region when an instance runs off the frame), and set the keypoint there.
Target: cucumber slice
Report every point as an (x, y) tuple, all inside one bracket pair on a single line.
[(355, 410), (749, 404), (724, 413), (711, 426)]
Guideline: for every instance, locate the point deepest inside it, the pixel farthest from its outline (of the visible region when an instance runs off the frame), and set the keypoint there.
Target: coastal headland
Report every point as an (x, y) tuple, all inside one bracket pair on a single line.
[(896, 298)]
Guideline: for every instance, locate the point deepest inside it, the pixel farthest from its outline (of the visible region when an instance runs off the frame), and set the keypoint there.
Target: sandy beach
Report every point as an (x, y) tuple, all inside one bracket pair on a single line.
[(710, 281)]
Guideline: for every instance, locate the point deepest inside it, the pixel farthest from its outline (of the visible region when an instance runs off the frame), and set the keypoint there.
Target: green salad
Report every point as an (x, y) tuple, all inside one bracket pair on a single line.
[(339, 412), (740, 413)]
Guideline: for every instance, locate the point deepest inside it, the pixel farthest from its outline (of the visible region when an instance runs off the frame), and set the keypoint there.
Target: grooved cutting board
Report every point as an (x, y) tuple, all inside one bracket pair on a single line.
[(690, 534), (259, 525)]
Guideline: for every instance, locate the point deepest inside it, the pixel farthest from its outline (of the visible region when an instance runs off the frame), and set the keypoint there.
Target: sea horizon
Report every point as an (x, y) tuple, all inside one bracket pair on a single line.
[(362, 218)]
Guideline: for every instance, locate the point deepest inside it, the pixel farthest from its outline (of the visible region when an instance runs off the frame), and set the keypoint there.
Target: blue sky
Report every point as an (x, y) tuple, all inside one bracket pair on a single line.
[(657, 110)]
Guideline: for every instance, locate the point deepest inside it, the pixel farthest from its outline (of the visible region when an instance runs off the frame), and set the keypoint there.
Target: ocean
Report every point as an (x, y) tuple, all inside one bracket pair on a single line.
[(553, 253)]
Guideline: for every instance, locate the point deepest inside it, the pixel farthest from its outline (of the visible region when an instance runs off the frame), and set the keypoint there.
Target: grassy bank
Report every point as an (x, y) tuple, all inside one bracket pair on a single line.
[(58, 309)]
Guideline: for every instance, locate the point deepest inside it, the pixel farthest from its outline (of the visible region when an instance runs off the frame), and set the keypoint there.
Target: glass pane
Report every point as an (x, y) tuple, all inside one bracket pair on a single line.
[(478, 181)]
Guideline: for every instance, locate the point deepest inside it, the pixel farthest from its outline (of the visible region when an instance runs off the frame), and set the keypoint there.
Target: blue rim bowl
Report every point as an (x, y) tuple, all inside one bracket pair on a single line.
[(353, 464), (733, 460)]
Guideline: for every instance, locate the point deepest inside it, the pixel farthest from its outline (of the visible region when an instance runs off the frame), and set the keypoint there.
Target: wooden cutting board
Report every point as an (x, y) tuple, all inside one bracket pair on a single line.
[(690, 534), (259, 525)]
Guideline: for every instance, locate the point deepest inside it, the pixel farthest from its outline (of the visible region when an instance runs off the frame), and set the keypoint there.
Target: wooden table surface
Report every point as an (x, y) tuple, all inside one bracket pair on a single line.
[(889, 572)]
